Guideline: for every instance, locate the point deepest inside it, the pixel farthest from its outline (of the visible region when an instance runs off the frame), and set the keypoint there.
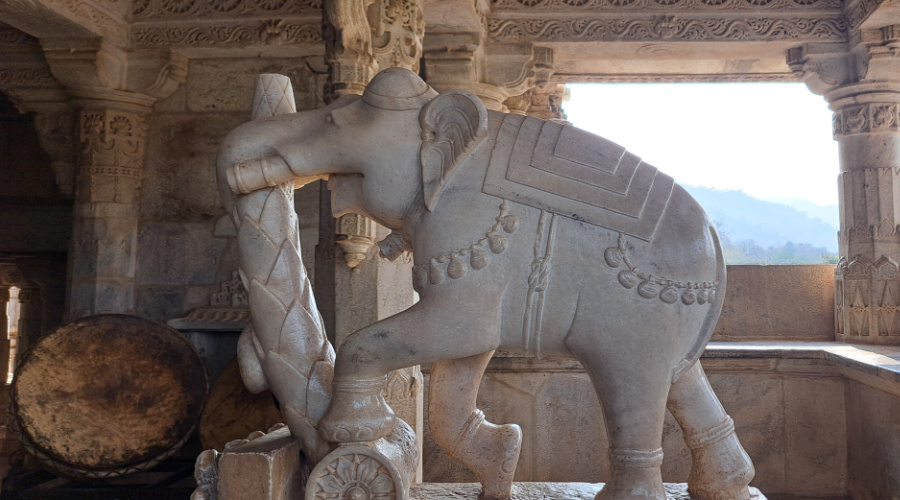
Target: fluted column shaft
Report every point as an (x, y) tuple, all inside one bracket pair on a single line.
[(867, 279)]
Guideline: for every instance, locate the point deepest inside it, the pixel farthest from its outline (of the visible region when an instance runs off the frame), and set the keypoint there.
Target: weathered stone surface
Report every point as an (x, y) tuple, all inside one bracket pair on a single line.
[(194, 262)]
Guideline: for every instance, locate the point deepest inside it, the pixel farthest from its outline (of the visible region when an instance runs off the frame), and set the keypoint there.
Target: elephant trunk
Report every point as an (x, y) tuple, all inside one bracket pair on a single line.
[(266, 171)]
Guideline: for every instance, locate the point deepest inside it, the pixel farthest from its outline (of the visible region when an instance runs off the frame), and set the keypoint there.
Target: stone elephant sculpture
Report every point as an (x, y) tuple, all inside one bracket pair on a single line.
[(528, 236)]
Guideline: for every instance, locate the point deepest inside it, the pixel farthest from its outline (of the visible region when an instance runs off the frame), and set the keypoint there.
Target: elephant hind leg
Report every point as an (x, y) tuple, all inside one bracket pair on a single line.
[(632, 386), (490, 451), (721, 469)]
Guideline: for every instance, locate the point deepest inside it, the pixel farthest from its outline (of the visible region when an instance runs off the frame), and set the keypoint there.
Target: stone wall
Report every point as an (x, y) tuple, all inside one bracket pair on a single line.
[(186, 244)]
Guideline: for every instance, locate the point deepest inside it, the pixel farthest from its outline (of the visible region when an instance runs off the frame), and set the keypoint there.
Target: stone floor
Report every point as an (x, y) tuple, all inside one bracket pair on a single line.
[(538, 491)]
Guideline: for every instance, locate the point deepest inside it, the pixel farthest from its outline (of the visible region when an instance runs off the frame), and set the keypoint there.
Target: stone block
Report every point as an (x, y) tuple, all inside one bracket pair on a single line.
[(266, 468), (873, 433), (815, 435), (778, 303), (755, 403)]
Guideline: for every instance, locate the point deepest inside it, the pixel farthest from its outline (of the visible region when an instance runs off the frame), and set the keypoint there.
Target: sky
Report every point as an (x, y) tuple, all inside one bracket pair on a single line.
[(770, 140)]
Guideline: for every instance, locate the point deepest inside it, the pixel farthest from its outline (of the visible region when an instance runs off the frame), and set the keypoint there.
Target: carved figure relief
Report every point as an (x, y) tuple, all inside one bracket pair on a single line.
[(452, 164)]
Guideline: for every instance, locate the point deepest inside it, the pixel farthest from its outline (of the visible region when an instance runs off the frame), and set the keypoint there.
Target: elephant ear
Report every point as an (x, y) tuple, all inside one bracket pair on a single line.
[(453, 124)]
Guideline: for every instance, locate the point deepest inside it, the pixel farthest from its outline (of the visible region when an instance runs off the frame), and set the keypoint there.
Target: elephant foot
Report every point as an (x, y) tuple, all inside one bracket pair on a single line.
[(721, 468), (358, 412), (635, 476), (491, 452)]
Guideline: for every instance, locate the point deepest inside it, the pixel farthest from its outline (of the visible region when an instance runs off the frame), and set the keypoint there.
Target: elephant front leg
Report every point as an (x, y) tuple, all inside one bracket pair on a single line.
[(427, 332)]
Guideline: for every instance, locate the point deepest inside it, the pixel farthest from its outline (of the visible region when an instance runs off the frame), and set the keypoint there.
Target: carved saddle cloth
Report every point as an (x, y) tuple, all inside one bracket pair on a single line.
[(576, 174)]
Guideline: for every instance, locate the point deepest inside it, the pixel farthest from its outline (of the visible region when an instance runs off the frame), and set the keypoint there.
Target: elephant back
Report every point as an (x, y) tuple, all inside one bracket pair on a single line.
[(565, 170)]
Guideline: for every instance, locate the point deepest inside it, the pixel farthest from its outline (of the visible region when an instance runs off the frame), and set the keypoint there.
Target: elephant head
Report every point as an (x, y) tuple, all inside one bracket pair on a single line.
[(429, 135)]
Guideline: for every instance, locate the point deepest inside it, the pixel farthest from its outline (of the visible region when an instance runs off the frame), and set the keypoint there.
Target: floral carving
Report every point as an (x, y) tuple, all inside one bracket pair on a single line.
[(650, 287), (865, 118), (355, 477), (266, 32), (147, 10), (606, 29), (112, 139)]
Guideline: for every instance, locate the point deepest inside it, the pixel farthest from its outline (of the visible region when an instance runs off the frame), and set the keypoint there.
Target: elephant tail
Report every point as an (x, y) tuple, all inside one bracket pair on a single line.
[(712, 315)]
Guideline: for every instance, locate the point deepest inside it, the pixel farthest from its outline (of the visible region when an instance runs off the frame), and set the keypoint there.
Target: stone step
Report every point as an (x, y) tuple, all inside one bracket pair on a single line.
[(538, 491)]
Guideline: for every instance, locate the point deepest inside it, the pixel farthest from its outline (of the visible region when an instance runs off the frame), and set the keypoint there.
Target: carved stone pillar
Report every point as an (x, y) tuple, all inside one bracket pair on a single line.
[(867, 279), (457, 57), (862, 88), (104, 238)]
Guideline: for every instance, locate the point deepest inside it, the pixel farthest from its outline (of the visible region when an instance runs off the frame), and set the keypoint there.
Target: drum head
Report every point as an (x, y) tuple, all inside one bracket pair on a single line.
[(108, 395)]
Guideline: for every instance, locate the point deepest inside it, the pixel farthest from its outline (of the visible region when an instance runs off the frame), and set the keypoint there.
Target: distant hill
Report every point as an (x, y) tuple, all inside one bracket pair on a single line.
[(828, 213), (762, 232)]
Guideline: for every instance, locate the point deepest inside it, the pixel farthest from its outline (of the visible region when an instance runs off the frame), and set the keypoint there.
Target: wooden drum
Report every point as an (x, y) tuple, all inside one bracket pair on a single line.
[(108, 395)]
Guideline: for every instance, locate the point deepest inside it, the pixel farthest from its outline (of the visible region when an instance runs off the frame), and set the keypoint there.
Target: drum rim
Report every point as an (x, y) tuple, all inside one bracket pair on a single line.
[(142, 463)]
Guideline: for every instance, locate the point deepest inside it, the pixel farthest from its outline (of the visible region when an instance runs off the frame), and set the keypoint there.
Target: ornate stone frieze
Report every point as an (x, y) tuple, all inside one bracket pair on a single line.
[(158, 10), (272, 31), (677, 78), (11, 37), (101, 17), (866, 118), (112, 139), (668, 5), (861, 11), (27, 77), (830, 28)]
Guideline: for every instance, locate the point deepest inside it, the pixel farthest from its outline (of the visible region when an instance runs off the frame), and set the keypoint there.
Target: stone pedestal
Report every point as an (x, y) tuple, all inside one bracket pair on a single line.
[(268, 467)]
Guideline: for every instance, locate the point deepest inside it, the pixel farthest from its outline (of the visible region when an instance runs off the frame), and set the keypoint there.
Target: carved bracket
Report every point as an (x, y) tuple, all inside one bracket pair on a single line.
[(356, 236)]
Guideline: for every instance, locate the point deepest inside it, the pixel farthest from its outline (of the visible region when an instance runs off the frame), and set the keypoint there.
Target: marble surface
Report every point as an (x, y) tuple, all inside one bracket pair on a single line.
[(538, 491), (881, 361)]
